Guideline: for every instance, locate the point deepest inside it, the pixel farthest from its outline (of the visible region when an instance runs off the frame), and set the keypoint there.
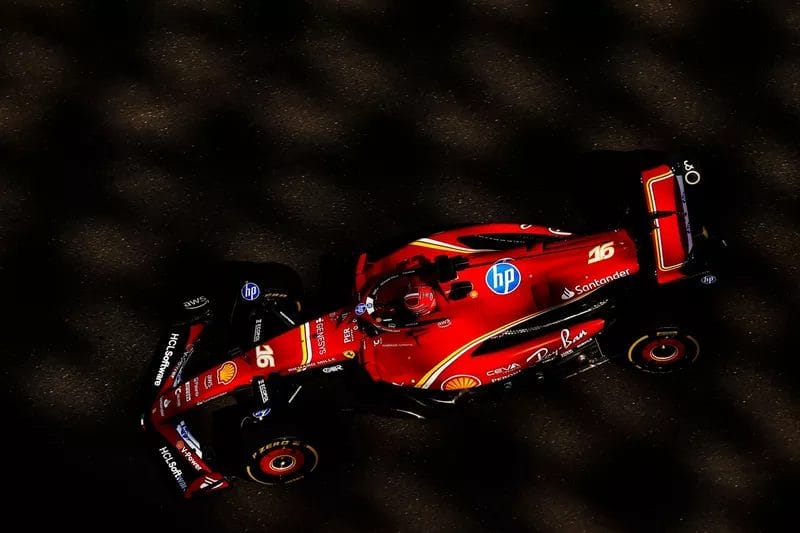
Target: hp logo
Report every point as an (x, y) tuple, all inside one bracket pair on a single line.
[(250, 291), (503, 278)]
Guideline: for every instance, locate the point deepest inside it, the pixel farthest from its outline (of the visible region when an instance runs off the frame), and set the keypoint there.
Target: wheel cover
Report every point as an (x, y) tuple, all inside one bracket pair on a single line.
[(663, 353), (282, 461)]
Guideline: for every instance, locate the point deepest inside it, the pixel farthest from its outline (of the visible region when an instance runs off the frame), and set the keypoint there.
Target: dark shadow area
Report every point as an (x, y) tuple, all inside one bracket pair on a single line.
[(642, 485)]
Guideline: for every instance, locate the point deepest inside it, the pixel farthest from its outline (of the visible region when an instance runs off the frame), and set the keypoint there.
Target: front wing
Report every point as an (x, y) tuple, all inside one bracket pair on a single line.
[(179, 451)]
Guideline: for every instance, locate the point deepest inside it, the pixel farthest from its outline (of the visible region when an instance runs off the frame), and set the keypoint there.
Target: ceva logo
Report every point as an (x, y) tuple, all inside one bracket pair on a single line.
[(503, 278)]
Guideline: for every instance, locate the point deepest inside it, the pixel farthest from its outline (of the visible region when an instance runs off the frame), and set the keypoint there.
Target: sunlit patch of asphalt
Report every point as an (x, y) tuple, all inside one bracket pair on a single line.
[(729, 472), (588, 427), (176, 11), (611, 132), (317, 195), (760, 395), (19, 116), (461, 201), (197, 70), (107, 247), (151, 191), (36, 70), (785, 14), (513, 83), (454, 127), (776, 162), (561, 444), (71, 390), (659, 86), (146, 114), (572, 429), (375, 10), (552, 506), (246, 236), (353, 71), (521, 91), (716, 513), (251, 240), (294, 117), (511, 12), (783, 83), (778, 244), (34, 62), (762, 327), (13, 203), (658, 16), (401, 490)]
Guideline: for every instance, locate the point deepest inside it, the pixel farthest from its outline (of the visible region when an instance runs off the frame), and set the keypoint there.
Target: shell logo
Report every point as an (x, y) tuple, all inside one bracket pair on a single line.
[(226, 372), (460, 382)]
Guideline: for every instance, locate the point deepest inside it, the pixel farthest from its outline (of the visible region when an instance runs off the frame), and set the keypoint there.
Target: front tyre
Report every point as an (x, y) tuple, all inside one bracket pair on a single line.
[(663, 350), (281, 460)]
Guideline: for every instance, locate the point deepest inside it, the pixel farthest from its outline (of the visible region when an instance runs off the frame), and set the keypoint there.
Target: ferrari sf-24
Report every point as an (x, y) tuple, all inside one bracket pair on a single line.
[(432, 324)]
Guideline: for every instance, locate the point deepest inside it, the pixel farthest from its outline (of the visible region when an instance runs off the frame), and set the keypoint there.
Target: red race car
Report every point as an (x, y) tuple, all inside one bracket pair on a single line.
[(431, 324)]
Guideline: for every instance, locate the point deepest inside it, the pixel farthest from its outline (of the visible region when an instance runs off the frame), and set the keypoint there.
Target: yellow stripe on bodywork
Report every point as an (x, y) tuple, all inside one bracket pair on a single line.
[(303, 344), (652, 196), (447, 247), (656, 231)]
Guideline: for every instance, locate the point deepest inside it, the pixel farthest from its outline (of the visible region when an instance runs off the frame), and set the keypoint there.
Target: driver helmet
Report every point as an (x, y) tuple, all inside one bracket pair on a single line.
[(420, 299)]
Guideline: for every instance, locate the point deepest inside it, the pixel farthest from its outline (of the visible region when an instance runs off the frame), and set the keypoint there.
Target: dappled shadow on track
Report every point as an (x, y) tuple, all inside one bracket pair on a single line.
[(138, 143)]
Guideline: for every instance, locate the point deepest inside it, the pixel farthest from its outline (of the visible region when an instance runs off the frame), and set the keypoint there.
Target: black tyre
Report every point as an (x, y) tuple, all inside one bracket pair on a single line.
[(280, 459), (663, 350)]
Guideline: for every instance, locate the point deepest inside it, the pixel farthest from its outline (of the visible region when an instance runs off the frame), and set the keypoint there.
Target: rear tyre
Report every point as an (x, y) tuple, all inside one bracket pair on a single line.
[(663, 350)]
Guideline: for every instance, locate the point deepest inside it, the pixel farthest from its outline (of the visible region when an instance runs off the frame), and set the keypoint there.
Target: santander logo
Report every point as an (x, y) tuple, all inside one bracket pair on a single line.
[(594, 284)]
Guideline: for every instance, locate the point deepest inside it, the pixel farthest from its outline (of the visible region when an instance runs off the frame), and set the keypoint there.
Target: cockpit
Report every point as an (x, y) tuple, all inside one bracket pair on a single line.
[(413, 297)]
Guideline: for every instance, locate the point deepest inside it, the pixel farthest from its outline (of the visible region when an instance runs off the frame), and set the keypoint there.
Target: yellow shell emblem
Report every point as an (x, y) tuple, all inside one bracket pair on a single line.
[(460, 382), (226, 372)]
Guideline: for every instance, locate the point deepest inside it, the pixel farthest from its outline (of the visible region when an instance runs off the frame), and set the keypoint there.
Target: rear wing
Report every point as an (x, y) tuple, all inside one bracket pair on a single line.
[(678, 227)]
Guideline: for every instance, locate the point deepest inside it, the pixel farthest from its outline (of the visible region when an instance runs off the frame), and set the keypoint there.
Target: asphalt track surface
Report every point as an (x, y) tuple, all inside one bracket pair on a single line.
[(136, 141)]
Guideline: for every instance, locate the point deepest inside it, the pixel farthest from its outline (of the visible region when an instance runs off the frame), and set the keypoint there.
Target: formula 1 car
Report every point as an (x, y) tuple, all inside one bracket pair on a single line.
[(431, 324)]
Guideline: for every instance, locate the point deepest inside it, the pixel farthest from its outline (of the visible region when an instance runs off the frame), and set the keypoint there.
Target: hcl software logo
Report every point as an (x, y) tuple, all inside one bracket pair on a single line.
[(503, 278)]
